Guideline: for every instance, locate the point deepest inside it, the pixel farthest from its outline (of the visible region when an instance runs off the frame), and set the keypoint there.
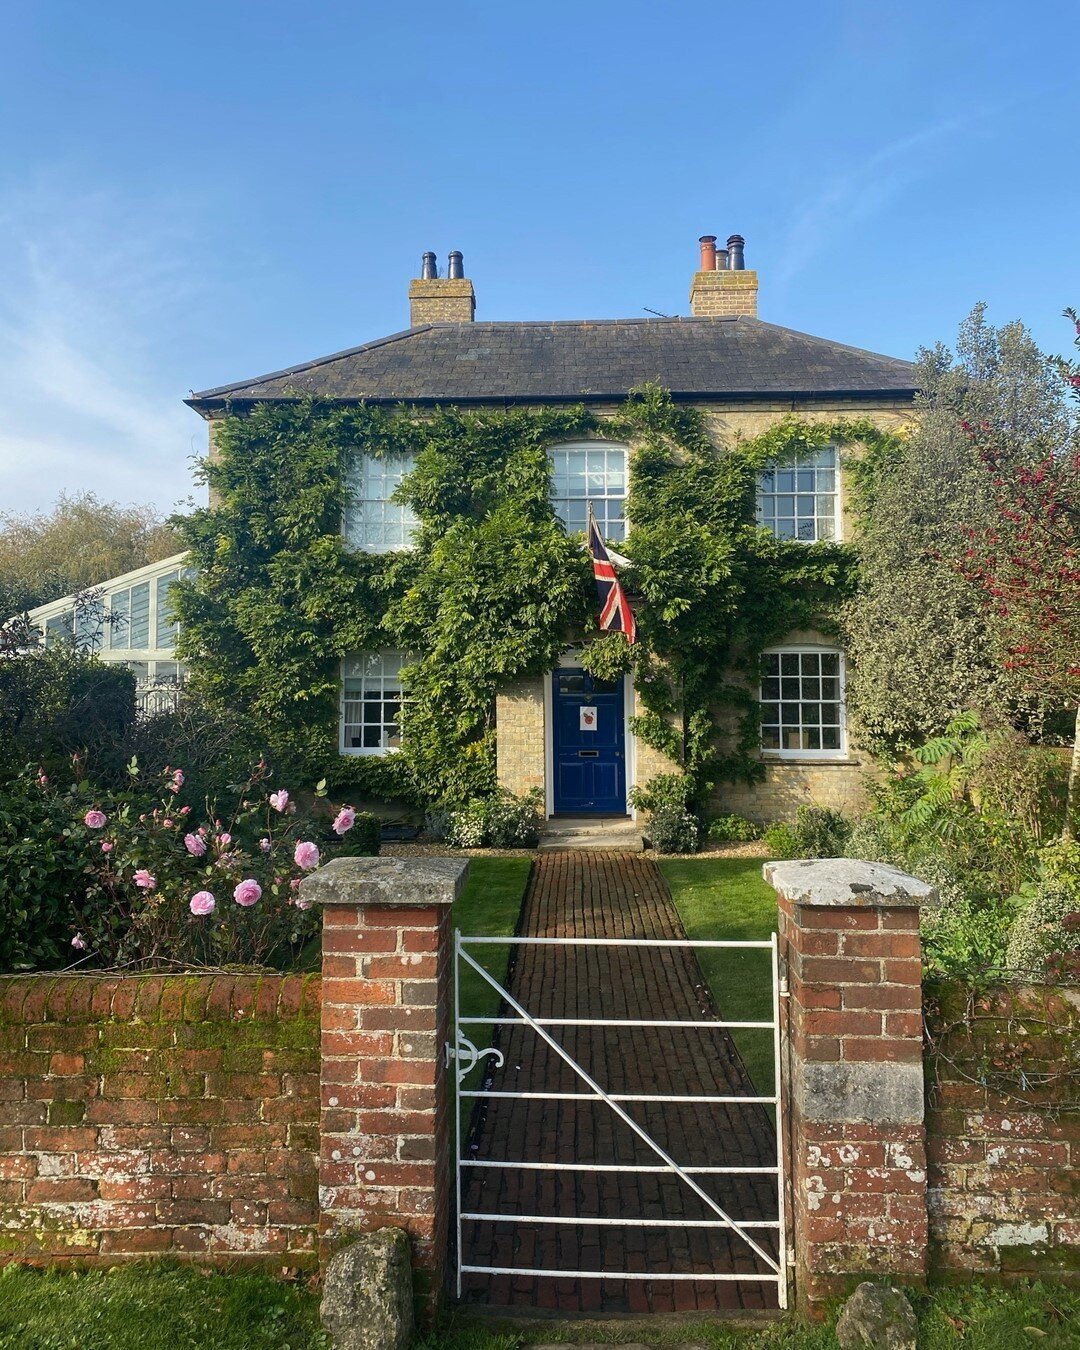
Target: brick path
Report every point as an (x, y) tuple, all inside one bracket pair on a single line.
[(614, 895)]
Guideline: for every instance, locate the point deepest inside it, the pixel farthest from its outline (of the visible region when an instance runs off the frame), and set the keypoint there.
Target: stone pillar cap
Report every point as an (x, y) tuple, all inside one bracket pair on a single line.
[(847, 883), (394, 882)]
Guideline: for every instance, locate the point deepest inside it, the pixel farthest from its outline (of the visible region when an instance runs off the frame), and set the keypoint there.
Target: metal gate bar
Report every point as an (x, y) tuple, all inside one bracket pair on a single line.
[(462, 1046)]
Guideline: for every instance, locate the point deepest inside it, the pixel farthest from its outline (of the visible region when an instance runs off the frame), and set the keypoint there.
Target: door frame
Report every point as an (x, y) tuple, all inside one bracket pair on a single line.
[(571, 659)]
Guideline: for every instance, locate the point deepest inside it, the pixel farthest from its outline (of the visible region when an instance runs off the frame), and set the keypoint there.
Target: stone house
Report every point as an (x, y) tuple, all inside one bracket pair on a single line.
[(743, 374)]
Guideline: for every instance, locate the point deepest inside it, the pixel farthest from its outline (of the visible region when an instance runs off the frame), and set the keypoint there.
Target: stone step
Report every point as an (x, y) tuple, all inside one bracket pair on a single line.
[(591, 833)]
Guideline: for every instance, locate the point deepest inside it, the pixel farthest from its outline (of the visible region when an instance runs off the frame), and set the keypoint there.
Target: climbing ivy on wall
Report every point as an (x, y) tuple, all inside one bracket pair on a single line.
[(492, 589)]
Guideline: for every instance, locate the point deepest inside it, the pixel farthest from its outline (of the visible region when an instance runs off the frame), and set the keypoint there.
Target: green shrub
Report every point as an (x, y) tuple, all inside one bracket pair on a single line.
[(58, 702), (1045, 936), (818, 832), (40, 878), (365, 838), (672, 826), (674, 829), (733, 829), (782, 842), (822, 832), (502, 820)]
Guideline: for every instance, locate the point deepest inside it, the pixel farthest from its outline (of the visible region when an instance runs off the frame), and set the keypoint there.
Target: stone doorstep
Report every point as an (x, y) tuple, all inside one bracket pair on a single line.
[(591, 832)]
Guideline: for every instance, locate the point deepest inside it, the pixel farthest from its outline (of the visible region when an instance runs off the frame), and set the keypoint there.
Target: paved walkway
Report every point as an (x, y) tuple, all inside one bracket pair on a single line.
[(614, 895)]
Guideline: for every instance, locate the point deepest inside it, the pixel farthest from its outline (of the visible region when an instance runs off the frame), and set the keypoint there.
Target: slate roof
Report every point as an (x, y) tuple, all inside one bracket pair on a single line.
[(696, 358)]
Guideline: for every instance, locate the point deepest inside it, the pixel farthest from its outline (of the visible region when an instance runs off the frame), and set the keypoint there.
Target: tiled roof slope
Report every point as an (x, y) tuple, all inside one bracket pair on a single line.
[(692, 357)]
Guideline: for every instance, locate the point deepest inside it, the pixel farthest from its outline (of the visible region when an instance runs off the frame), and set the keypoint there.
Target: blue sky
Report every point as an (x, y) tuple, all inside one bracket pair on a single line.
[(193, 194)]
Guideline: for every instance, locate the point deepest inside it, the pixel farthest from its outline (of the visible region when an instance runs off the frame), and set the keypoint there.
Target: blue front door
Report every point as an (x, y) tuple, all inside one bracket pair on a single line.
[(589, 744)]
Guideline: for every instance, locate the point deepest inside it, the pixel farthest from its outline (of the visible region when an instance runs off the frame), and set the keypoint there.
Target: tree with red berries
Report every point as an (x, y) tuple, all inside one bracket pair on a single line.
[(1027, 564)]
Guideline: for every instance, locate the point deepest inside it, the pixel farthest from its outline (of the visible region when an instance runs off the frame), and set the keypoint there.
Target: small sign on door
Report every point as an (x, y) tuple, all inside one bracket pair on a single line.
[(587, 718)]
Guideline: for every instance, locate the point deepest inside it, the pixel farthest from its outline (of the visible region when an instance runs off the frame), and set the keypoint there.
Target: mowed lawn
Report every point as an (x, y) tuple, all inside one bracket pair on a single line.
[(728, 899)]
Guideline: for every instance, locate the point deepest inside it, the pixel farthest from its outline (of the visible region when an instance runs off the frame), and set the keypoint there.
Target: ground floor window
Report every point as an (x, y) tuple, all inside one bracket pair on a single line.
[(371, 701), (802, 702)]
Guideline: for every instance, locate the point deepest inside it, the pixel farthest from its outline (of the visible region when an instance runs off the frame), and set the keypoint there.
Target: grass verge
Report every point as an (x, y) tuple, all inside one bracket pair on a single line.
[(156, 1306), (489, 906), (728, 899), (971, 1317)]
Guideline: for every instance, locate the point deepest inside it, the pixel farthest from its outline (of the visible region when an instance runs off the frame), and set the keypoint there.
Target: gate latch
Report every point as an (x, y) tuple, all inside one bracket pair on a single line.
[(468, 1056)]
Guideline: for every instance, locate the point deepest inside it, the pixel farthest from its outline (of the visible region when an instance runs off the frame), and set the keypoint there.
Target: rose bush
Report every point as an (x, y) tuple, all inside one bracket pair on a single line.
[(163, 882)]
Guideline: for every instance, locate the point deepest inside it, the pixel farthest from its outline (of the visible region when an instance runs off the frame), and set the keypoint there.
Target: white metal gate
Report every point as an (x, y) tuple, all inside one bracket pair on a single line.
[(465, 1054)]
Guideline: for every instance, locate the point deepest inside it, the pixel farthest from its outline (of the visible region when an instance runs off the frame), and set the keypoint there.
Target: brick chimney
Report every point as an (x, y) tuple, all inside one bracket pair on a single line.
[(435, 299), (723, 288)]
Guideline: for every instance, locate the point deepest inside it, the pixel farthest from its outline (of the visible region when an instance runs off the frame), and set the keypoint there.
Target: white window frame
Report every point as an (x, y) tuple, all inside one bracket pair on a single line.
[(358, 520), (602, 497), (383, 683), (793, 464), (808, 649)]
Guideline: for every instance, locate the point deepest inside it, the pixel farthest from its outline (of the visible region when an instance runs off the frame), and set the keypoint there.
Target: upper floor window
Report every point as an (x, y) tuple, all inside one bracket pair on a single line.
[(373, 522), (802, 702), (590, 471), (799, 499), (371, 702)]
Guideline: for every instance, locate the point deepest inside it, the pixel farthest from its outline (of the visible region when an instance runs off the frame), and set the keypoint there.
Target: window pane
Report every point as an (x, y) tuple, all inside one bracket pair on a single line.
[(797, 499), (166, 628), (371, 701), (120, 624), (594, 473), (139, 630), (372, 521), (800, 707)]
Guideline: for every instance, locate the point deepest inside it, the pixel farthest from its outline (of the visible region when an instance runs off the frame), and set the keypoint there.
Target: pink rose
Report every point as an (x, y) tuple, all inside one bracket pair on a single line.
[(306, 854), (95, 819), (144, 880), (224, 839), (301, 903), (177, 779), (184, 810), (202, 902), (195, 845), (79, 942), (43, 778), (168, 823), (344, 820), (248, 893), (294, 885), (280, 800), (264, 844), (106, 846)]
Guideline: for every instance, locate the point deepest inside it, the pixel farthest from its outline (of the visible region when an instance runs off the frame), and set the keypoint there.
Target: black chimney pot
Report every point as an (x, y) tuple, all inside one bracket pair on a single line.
[(456, 267), (735, 253), (429, 271)]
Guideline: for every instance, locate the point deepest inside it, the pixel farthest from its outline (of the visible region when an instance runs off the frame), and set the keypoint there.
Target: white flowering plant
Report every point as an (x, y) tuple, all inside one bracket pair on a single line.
[(167, 884)]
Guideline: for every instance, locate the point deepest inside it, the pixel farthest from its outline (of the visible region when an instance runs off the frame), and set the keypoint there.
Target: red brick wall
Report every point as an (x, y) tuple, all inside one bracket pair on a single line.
[(1003, 1131), (145, 1115)]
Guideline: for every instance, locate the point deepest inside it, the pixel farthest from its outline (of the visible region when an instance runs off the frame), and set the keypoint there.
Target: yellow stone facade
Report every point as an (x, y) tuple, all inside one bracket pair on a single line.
[(788, 783)]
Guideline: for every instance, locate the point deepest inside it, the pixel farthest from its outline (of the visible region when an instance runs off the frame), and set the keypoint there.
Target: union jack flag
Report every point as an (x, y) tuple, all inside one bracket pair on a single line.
[(616, 616)]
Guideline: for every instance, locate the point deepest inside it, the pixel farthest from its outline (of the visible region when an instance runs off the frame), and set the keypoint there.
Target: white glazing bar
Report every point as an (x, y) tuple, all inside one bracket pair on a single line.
[(607, 942), (610, 1022), (619, 1097), (645, 1168), (591, 1083), (711, 1278), (576, 1221), (782, 1280)]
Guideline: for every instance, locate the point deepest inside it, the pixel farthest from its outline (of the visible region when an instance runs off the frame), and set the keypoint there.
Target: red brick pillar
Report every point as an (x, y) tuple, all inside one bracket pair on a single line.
[(849, 933), (386, 998)]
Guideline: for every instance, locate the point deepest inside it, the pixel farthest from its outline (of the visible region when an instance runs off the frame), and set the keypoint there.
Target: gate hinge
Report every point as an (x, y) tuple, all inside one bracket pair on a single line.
[(466, 1051)]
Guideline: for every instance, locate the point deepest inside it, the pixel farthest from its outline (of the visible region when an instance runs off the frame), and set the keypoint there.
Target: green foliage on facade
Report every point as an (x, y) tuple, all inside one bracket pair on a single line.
[(493, 590)]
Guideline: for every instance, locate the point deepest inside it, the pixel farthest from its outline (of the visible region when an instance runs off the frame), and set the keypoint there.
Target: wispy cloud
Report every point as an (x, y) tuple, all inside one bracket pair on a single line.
[(92, 287), (859, 193)]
